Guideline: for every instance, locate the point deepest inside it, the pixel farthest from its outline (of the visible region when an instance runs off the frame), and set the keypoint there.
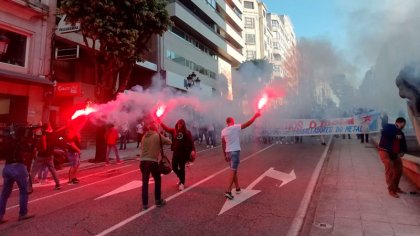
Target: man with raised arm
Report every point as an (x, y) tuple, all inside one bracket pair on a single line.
[(231, 150)]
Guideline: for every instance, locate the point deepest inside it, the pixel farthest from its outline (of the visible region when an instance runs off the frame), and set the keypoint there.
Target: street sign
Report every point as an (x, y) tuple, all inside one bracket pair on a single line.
[(248, 192), (64, 27)]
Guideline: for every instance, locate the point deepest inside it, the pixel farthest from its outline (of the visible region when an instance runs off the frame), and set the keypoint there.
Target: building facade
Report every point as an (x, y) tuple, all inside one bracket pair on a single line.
[(271, 37), (205, 39), (25, 54), (284, 49), (256, 34)]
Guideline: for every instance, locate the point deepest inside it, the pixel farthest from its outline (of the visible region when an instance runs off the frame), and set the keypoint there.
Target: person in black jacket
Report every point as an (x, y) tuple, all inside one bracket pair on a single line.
[(392, 147), (183, 149), (45, 155)]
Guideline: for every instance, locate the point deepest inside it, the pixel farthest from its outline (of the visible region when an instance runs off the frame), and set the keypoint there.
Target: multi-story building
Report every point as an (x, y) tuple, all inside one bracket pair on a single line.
[(25, 41), (284, 54), (205, 39), (270, 36), (256, 34)]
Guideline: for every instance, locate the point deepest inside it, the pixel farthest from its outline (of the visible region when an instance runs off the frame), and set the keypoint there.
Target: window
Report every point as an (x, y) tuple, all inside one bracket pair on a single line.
[(16, 49), (250, 39), (274, 23), (249, 22), (275, 45), (212, 3), (187, 63), (237, 12), (277, 57), (276, 68), (193, 41), (250, 55), (248, 4)]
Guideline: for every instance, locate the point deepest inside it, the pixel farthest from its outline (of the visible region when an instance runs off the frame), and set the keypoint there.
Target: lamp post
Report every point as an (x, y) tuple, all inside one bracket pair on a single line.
[(4, 43)]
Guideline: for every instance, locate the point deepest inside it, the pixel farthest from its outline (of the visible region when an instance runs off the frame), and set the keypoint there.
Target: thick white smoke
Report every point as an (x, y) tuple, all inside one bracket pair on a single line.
[(383, 36)]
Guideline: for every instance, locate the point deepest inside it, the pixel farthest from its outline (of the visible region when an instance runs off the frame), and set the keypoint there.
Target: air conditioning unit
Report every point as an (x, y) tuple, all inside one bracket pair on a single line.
[(68, 53)]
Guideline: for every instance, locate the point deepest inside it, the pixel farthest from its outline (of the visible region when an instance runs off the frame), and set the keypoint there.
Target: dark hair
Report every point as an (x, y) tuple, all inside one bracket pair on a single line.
[(229, 120), (400, 120)]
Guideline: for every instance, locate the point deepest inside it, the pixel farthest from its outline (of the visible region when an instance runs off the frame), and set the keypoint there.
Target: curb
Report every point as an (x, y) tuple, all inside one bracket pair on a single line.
[(299, 219)]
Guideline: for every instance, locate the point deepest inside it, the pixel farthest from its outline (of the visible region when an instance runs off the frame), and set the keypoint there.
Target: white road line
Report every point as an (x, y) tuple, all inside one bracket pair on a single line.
[(131, 218), (83, 177), (297, 222), (73, 189)]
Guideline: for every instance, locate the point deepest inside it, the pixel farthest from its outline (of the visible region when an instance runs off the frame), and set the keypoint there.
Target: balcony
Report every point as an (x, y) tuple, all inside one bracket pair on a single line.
[(185, 17), (26, 9)]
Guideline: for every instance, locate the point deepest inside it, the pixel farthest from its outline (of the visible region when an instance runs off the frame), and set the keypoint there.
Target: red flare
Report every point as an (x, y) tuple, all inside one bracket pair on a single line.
[(263, 100), (160, 110), (83, 112)]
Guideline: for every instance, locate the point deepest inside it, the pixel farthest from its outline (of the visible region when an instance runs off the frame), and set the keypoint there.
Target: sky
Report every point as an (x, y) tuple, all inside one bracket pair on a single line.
[(313, 19)]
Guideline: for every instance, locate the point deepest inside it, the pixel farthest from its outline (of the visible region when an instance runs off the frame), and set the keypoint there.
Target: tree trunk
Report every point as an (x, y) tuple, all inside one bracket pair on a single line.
[(100, 152), (105, 94)]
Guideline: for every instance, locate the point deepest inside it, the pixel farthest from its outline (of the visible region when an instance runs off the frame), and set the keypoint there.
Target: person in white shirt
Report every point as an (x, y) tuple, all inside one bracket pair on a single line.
[(231, 150)]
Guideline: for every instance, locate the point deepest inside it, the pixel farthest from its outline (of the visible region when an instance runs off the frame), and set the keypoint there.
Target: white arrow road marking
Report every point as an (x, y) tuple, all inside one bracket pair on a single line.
[(248, 192), (239, 198), (124, 188), (284, 177)]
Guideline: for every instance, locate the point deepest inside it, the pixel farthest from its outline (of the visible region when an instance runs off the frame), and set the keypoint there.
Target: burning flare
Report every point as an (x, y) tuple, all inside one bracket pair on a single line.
[(262, 101), (84, 112), (160, 111)]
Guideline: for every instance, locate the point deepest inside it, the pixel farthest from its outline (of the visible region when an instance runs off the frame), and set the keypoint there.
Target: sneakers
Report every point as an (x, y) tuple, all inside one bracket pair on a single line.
[(400, 191), (145, 207), (25, 217), (160, 203), (73, 181), (229, 195), (238, 191), (57, 187), (393, 194), (181, 187)]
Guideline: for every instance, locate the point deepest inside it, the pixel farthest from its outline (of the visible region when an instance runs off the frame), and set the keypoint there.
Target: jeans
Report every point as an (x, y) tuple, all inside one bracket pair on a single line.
[(108, 150), (74, 159), (147, 168), (123, 140), (362, 136), (15, 173), (234, 159), (178, 166), (47, 161), (211, 139)]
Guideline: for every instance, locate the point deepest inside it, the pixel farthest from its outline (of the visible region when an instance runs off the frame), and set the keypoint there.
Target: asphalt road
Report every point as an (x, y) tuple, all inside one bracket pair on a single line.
[(270, 198)]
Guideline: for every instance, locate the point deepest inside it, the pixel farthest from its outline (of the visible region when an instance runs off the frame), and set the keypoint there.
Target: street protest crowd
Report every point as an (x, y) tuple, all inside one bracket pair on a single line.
[(31, 152)]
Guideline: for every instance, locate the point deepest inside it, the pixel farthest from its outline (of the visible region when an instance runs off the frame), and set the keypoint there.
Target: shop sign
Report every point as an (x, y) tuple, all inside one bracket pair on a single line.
[(67, 89)]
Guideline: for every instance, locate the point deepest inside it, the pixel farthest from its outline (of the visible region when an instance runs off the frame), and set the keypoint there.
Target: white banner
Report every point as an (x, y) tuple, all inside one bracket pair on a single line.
[(364, 123)]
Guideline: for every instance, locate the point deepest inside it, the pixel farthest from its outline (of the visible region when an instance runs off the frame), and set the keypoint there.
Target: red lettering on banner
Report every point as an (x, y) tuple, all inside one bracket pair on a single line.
[(312, 124)]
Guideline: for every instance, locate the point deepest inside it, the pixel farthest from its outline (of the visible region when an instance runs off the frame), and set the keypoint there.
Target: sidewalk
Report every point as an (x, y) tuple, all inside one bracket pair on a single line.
[(351, 197)]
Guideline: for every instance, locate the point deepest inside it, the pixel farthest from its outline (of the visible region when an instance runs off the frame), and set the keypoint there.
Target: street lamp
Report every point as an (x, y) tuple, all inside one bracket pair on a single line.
[(4, 43)]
